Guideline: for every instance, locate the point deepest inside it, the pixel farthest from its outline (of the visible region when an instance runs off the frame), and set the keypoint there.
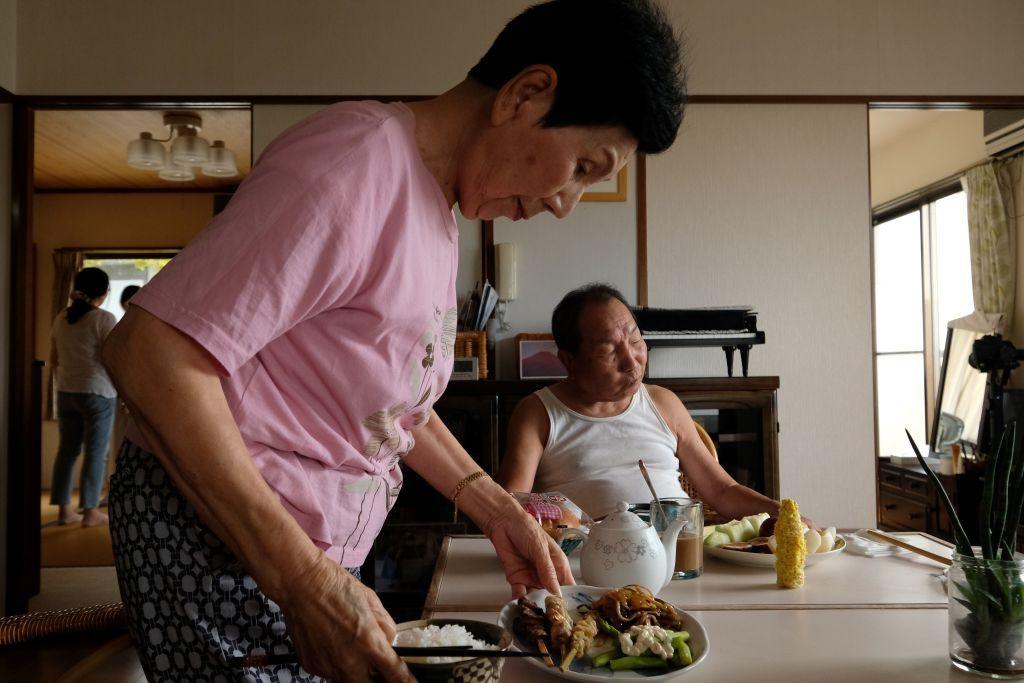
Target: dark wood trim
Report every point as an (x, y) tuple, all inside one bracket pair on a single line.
[(487, 266), (913, 200), (229, 189), (23, 466), (693, 384), (6, 95), (194, 101), (437, 577), (874, 101), (641, 230), (143, 251), (230, 101), (208, 101)]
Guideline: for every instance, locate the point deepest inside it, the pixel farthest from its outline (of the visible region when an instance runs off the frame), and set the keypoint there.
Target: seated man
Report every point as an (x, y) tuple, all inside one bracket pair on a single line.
[(583, 435)]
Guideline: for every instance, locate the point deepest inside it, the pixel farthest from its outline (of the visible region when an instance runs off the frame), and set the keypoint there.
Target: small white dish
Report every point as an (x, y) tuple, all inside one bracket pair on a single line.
[(767, 560)]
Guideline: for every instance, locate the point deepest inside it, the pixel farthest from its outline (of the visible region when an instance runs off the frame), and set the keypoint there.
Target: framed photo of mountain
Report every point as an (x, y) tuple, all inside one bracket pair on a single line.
[(537, 357)]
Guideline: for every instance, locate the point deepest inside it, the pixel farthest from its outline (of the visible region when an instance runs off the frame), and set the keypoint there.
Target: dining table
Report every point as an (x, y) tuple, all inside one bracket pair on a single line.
[(856, 618)]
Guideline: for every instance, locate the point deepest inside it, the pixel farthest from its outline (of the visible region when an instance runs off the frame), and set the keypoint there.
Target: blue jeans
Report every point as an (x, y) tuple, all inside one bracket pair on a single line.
[(81, 418)]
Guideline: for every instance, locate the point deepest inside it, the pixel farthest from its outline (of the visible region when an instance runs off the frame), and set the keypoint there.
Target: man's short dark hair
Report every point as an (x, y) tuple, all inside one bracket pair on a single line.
[(565, 320), (618, 62)]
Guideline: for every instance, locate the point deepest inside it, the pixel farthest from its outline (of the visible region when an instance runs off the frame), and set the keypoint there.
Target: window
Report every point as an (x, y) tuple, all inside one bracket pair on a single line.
[(922, 280), (124, 270)]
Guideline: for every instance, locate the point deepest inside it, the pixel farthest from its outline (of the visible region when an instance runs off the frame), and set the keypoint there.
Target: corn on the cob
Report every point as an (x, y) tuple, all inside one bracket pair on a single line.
[(791, 549)]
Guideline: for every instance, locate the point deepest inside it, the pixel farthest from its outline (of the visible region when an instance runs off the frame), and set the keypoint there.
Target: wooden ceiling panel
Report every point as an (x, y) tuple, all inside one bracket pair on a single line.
[(87, 149)]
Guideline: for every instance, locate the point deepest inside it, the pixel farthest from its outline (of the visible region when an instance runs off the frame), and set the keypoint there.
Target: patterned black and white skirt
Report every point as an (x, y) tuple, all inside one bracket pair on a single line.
[(191, 605)]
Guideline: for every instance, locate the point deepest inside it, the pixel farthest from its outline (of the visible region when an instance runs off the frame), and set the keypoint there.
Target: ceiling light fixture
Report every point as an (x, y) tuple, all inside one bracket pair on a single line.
[(188, 150)]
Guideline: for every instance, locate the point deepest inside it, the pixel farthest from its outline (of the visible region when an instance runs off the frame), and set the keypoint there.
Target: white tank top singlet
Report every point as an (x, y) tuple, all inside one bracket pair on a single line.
[(593, 460)]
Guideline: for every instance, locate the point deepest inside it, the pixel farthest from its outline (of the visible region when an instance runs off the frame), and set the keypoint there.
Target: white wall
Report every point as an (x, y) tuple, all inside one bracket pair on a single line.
[(877, 47), (746, 47), (943, 143), (5, 273), (768, 205), (596, 242), (8, 44)]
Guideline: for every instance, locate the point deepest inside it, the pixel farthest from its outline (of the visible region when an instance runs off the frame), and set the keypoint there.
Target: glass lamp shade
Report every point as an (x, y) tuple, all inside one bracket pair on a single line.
[(146, 153), (221, 163), (177, 173), (189, 149)]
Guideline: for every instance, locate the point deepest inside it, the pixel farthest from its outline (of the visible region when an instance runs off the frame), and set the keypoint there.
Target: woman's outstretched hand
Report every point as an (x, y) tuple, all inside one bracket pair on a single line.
[(339, 628), (530, 558)]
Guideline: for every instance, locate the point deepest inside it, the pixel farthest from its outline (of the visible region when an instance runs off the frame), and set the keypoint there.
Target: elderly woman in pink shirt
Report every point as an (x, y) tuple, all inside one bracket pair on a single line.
[(280, 368)]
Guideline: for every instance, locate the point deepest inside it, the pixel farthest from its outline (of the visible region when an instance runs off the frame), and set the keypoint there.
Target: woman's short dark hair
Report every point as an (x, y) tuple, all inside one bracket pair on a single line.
[(90, 283), (618, 62), (565, 320)]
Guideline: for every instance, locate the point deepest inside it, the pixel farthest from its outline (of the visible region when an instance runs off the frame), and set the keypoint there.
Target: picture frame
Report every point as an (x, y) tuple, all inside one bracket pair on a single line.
[(611, 190), (537, 357)]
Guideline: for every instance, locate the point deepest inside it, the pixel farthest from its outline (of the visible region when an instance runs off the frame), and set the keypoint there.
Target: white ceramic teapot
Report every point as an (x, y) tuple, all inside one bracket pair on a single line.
[(623, 549)]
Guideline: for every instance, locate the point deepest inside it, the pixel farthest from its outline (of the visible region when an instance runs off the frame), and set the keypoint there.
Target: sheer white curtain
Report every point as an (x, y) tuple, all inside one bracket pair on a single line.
[(992, 226)]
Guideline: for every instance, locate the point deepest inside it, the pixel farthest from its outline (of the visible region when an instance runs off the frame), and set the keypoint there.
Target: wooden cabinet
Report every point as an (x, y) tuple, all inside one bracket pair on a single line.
[(908, 501), (738, 412)]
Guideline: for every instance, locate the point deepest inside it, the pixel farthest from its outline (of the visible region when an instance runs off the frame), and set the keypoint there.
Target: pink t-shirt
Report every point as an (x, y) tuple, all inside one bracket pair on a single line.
[(326, 291)]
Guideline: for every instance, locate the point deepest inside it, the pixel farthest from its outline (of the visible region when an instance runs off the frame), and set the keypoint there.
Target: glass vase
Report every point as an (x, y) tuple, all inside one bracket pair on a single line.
[(986, 616)]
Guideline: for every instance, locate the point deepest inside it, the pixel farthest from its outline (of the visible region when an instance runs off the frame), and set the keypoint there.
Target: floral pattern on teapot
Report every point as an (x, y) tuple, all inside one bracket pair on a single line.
[(623, 550)]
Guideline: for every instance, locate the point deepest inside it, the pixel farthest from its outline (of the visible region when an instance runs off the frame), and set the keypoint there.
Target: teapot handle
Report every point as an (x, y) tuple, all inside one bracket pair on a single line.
[(570, 533)]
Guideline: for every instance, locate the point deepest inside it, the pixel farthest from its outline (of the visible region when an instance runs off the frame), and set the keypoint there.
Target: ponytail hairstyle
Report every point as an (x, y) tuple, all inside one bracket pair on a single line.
[(90, 283)]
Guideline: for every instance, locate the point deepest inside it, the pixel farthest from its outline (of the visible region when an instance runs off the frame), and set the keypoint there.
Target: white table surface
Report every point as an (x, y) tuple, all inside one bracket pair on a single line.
[(798, 646), (469, 578)]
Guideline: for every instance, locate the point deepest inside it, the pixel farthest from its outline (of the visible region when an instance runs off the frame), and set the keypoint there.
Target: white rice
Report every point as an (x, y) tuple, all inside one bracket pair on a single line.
[(439, 636)]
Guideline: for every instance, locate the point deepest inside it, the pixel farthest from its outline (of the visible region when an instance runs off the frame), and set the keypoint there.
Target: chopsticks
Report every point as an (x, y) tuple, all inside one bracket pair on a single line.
[(912, 548), (453, 651), (459, 651)]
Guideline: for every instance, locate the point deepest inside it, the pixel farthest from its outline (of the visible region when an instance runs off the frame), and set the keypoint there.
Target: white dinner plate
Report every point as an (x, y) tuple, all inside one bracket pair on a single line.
[(580, 669), (767, 560)]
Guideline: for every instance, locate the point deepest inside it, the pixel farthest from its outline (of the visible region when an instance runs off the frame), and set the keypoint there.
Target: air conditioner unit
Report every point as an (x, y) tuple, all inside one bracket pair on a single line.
[(1004, 131)]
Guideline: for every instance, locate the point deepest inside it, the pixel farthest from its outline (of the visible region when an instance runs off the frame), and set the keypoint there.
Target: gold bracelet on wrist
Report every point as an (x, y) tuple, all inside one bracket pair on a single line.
[(463, 483)]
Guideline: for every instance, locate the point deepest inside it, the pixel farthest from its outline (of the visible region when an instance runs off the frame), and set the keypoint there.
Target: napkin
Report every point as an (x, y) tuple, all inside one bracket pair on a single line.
[(859, 543)]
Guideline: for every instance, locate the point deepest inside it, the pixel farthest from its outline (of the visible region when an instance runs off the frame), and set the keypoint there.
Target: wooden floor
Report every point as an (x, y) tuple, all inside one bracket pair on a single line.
[(72, 545), (77, 572), (101, 657)]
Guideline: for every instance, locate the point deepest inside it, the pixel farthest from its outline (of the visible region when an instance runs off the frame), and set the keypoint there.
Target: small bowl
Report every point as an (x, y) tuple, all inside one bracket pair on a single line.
[(477, 670)]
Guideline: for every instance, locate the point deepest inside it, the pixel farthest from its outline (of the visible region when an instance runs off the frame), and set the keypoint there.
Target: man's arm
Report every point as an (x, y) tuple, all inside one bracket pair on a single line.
[(713, 484), (527, 434)]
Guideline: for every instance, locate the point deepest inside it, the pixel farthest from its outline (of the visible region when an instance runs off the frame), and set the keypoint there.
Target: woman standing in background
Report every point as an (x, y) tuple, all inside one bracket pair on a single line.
[(85, 396)]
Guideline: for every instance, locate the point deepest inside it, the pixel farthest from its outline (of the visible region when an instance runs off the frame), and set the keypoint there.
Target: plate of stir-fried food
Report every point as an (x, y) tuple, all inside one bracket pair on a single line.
[(590, 633)]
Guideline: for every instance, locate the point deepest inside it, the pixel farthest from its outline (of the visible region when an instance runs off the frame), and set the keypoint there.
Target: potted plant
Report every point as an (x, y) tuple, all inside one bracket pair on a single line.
[(986, 591)]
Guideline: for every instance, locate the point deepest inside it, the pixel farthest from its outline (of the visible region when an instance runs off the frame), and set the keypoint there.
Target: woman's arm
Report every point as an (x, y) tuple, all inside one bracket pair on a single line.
[(530, 557), (527, 433), (173, 389)]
